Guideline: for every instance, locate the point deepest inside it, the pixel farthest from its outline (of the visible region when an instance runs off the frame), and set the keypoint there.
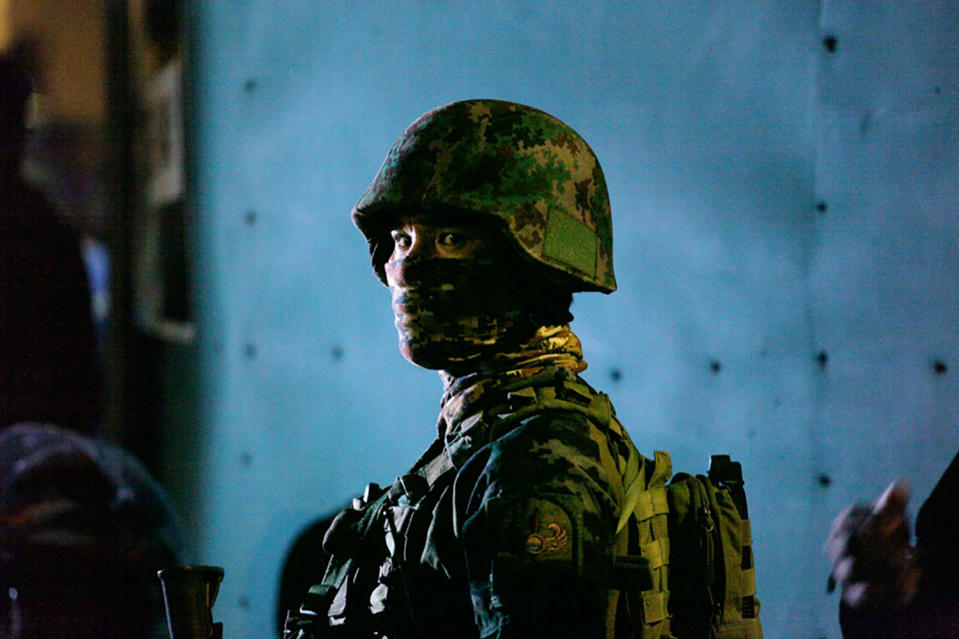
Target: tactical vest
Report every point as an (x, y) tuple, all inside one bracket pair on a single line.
[(685, 548), (683, 565)]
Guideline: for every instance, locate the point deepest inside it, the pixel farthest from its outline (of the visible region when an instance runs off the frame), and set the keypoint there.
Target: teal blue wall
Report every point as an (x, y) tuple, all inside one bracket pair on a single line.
[(772, 200)]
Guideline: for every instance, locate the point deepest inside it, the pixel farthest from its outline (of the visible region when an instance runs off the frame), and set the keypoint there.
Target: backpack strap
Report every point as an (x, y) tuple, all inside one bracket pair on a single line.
[(641, 606)]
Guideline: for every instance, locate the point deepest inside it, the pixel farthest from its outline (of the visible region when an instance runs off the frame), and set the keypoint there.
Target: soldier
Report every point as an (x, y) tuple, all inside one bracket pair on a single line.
[(484, 219)]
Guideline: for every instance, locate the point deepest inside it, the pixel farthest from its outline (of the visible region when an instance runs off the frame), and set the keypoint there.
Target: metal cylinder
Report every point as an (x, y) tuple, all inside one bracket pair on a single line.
[(189, 593)]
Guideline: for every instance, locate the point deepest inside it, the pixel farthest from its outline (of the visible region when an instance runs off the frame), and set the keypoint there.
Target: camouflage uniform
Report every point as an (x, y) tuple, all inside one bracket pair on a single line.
[(506, 526), (503, 528)]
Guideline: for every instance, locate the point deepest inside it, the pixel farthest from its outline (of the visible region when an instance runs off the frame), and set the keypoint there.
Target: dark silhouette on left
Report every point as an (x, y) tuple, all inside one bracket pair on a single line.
[(49, 370)]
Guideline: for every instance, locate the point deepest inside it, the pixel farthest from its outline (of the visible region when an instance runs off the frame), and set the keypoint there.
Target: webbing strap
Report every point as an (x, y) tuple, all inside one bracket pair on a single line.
[(656, 552), (650, 503), (647, 503), (654, 606), (749, 574), (663, 469), (749, 582), (336, 572), (436, 467)]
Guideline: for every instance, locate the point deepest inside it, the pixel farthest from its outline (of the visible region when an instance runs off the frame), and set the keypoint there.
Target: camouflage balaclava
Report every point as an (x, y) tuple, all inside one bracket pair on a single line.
[(524, 176), (451, 312)]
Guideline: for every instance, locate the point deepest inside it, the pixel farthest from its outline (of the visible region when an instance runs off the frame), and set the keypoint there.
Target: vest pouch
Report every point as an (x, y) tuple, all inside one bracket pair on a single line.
[(640, 598)]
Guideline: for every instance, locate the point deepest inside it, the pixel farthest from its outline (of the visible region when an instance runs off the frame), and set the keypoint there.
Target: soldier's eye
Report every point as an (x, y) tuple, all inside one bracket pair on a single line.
[(400, 239), (453, 240)]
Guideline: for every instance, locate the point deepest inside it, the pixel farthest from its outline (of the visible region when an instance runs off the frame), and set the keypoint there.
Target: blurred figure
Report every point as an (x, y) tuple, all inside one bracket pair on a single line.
[(891, 589), (83, 531), (304, 561), (48, 361)]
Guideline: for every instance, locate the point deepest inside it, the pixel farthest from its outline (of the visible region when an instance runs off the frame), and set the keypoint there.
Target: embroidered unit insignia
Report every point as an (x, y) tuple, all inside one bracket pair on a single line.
[(556, 540)]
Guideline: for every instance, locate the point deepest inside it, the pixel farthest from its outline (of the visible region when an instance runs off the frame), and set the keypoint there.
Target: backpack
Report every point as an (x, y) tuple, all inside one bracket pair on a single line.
[(684, 563)]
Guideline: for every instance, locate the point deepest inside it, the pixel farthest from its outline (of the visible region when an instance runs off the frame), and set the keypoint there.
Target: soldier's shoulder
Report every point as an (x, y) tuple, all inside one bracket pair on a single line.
[(549, 429), (546, 448)]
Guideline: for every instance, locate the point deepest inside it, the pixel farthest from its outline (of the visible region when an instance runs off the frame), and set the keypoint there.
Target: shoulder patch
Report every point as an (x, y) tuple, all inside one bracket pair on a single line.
[(535, 531), (553, 539)]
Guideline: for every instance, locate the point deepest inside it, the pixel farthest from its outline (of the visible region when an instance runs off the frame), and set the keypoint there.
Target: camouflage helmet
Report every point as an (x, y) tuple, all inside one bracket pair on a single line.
[(506, 162)]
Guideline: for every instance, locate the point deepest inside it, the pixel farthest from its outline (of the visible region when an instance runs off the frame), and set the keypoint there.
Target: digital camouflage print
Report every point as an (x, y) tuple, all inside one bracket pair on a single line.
[(512, 164), (449, 313), (533, 515), (505, 527)]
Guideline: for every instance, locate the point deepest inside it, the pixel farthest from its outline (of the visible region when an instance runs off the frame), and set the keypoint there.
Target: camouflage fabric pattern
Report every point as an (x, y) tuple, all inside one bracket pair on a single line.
[(515, 165), (450, 313), (539, 524), (505, 527)]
